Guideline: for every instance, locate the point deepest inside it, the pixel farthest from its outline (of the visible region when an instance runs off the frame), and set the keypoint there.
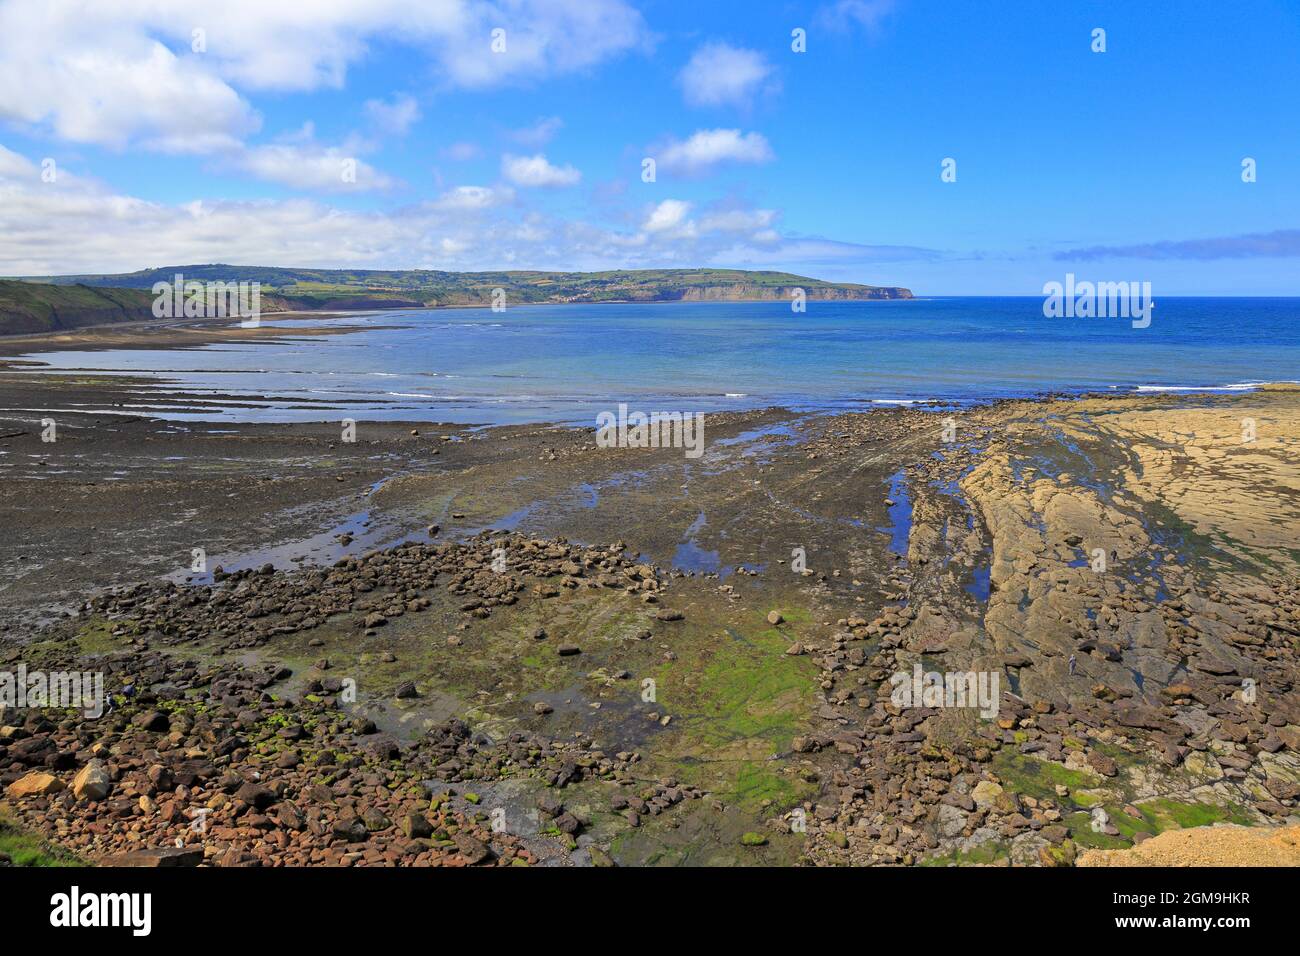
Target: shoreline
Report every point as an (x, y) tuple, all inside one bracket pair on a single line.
[(21, 361), (133, 396), (59, 390)]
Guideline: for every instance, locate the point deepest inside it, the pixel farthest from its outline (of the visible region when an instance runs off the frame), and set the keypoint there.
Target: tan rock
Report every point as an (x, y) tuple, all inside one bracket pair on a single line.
[(986, 794), (34, 784), (92, 782), (1207, 846), (1203, 766), (1290, 738)]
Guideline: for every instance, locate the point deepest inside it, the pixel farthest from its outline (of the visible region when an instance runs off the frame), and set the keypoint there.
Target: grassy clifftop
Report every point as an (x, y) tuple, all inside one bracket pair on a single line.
[(28, 307), (56, 302)]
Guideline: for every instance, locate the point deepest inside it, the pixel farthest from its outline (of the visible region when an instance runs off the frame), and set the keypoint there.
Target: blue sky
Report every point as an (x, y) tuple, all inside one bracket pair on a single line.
[(1117, 165)]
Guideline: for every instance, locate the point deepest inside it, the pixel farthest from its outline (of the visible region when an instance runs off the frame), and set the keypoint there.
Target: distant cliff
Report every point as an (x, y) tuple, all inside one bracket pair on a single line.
[(51, 303), (741, 291)]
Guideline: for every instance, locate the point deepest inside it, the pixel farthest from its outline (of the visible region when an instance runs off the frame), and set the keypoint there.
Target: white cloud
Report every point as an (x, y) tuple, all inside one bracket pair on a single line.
[(543, 37), (867, 14), (539, 134), (313, 167), (709, 147), (77, 225), (719, 74), (111, 88), (669, 216), (16, 166), (127, 71), (537, 171), (473, 198), (396, 116)]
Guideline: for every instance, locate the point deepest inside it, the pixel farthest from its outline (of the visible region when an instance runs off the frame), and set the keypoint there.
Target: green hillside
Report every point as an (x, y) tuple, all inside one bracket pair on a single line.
[(53, 302), (28, 307)]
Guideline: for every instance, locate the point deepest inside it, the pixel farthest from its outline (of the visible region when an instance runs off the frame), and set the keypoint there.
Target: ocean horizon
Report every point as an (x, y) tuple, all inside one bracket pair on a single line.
[(567, 363)]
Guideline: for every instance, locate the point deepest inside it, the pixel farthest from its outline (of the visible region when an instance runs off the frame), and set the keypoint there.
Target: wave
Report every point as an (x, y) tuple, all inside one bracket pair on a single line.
[(1238, 387)]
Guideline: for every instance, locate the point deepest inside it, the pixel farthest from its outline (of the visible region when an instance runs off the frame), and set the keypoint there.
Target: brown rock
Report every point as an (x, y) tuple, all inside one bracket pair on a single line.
[(156, 857), (1102, 764), (474, 851), (416, 826)]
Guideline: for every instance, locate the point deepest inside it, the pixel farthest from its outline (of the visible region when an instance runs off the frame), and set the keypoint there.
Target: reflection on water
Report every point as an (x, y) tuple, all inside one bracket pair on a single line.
[(566, 363)]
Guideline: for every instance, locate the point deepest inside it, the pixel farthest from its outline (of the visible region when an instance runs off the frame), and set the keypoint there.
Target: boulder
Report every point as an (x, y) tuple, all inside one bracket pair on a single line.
[(92, 782), (599, 857), (474, 851), (156, 857), (153, 721), (255, 795), (1102, 764), (34, 784), (417, 826), (986, 794)]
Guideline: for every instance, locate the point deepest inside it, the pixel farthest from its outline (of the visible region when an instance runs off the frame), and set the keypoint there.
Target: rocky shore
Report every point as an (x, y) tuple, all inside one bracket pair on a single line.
[(442, 646)]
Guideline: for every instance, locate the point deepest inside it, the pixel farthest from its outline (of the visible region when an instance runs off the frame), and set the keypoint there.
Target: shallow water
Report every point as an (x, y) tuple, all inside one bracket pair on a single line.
[(566, 363)]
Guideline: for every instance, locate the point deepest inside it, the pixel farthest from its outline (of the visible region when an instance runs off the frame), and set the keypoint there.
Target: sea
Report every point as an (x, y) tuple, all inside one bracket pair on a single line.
[(568, 363)]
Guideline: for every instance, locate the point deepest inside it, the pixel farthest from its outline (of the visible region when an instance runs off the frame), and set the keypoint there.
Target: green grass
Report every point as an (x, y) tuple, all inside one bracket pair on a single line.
[(30, 307), (28, 849)]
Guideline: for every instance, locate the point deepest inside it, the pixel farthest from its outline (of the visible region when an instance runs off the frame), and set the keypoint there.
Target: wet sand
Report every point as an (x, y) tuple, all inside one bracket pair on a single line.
[(166, 334)]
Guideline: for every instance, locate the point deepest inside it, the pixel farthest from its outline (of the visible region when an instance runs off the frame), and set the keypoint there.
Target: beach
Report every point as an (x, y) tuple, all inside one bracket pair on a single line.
[(444, 644)]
